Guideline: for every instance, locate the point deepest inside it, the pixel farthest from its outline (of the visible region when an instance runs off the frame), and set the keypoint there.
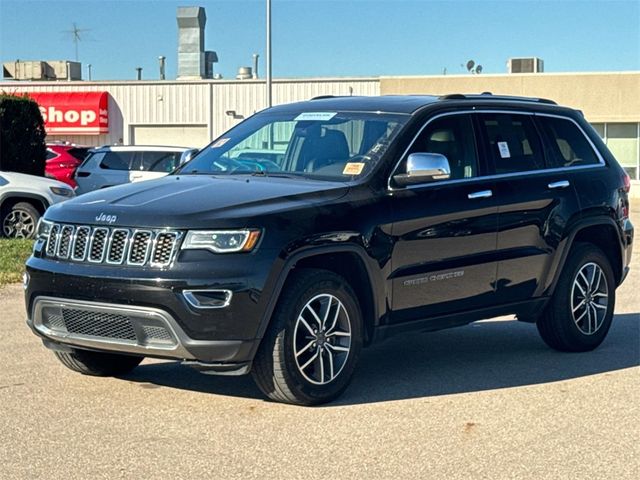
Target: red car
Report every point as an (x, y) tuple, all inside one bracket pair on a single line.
[(62, 161)]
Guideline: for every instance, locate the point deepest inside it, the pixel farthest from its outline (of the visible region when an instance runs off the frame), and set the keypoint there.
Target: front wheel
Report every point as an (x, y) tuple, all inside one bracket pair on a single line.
[(310, 351), (20, 220), (581, 310), (99, 364)]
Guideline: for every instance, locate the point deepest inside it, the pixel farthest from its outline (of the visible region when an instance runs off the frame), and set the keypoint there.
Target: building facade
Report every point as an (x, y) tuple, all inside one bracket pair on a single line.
[(192, 113)]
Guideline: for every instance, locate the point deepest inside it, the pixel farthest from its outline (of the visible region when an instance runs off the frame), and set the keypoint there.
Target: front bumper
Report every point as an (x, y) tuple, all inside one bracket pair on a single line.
[(150, 332), (153, 300)]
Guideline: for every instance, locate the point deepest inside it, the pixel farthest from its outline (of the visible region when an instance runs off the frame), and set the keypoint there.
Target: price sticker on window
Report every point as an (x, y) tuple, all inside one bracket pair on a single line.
[(353, 168), (504, 150)]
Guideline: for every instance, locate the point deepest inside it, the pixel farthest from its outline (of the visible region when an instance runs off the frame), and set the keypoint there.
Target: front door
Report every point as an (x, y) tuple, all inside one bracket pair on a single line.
[(443, 259)]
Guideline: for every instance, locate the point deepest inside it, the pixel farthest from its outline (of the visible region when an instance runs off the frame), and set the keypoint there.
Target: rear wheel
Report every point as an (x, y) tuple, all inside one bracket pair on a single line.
[(20, 220), (310, 351), (99, 364), (581, 310)]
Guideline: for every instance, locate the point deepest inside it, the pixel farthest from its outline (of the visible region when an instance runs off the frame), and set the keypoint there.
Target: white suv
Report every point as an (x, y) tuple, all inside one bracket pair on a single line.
[(115, 165), (24, 198)]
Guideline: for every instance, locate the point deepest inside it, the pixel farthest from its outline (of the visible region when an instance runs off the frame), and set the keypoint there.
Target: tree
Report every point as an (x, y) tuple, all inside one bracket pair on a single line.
[(22, 135)]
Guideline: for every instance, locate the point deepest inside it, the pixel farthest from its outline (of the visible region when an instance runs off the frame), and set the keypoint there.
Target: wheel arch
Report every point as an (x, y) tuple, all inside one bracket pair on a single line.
[(602, 232), (348, 261), (11, 198)]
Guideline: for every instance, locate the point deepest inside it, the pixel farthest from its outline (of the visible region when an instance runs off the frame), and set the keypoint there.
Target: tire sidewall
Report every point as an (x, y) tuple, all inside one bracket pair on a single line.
[(321, 393), (19, 207), (586, 255)]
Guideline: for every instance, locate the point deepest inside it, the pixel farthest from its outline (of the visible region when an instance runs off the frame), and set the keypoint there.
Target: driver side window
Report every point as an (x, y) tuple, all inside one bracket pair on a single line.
[(453, 137)]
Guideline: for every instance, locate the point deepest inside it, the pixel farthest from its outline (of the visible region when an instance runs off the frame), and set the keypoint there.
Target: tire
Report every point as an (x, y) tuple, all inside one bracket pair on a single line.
[(19, 221), (300, 379), (583, 330), (98, 364)]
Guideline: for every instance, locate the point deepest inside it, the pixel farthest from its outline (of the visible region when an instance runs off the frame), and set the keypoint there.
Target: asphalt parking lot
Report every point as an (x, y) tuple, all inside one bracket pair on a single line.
[(488, 400)]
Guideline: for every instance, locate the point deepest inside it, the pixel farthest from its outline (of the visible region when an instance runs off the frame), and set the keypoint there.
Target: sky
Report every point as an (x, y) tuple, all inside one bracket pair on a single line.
[(322, 38)]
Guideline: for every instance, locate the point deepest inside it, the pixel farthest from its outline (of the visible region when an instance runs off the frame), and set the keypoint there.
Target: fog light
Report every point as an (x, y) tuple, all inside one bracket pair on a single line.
[(25, 280), (208, 298)]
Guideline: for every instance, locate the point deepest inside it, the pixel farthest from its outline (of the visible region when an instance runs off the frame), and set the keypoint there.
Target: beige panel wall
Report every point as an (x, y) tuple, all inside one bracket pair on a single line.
[(603, 97)]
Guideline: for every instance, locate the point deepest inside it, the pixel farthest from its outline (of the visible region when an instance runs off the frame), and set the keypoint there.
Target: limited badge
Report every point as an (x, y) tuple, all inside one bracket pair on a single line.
[(353, 168)]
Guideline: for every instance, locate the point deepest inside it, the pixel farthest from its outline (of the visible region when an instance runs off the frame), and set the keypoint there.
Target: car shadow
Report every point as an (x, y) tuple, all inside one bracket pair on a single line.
[(485, 355)]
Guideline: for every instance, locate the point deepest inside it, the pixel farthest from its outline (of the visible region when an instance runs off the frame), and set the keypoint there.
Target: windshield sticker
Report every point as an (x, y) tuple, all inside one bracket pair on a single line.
[(504, 150), (315, 116), (220, 142), (353, 168)]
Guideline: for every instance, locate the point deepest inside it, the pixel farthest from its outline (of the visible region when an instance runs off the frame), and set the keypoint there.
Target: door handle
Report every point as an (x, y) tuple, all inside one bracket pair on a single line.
[(480, 194), (559, 184)]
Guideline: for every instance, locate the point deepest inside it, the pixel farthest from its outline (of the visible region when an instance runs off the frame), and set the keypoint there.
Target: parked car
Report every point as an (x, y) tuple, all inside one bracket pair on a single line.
[(114, 165), (23, 200), (62, 161), (383, 215)]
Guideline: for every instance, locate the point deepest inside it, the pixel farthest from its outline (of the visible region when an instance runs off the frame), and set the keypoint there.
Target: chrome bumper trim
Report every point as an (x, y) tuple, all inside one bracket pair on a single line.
[(137, 316)]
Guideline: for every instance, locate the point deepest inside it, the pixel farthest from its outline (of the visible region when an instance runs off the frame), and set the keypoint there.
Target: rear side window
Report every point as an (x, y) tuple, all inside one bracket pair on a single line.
[(51, 154), (512, 141), (160, 161), (118, 161), (569, 147), (79, 153)]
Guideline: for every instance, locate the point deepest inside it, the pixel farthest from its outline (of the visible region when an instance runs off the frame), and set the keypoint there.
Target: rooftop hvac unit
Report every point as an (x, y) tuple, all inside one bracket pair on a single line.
[(526, 65), (42, 70)]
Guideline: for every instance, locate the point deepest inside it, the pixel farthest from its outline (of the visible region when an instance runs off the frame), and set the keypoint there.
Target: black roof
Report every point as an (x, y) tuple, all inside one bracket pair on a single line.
[(405, 104)]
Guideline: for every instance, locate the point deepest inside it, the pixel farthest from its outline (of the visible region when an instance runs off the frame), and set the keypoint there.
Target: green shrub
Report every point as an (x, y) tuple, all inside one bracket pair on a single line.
[(22, 136)]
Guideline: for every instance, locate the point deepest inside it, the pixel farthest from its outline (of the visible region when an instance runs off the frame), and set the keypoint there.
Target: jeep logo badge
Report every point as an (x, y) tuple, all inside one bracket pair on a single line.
[(106, 218)]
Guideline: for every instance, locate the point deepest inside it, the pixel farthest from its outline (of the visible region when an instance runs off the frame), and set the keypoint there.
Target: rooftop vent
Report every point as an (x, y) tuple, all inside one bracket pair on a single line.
[(525, 65)]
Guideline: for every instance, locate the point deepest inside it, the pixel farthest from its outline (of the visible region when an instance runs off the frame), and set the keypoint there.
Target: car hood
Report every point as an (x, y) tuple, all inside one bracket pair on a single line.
[(195, 201), (32, 182)]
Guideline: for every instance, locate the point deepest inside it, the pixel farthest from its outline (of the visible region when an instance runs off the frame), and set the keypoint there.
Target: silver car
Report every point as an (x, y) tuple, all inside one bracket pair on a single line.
[(115, 165)]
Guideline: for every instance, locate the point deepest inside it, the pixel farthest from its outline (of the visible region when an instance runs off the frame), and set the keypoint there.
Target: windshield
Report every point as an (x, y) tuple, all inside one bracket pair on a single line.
[(320, 145)]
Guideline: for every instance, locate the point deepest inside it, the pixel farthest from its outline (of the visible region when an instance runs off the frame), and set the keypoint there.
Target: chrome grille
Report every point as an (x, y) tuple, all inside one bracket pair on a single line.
[(117, 246), (52, 241), (140, 246), (114, 246), (163, 249), (80, 242), (64, 241)]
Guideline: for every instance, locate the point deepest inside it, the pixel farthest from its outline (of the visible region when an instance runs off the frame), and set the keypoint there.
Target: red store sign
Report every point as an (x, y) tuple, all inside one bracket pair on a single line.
[(78, 113)]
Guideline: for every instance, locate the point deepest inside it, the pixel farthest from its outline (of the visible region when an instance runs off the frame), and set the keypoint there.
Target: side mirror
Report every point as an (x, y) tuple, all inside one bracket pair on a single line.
[(423, 168), (188, 155)]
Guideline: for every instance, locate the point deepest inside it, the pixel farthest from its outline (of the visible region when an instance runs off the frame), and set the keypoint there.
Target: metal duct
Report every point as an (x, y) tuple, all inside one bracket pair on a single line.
[(191, 57)]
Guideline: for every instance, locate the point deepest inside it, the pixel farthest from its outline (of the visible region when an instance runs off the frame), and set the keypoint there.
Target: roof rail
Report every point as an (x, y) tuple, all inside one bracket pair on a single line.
[(320, 97), (490, 96)]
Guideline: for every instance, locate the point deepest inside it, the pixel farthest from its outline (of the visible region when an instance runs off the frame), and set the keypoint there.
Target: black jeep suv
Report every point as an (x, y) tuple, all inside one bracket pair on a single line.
[(313, 229)]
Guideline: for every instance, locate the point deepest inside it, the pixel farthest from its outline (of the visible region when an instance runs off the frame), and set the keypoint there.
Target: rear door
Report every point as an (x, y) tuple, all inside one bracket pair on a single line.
[(155, 164), (536, 203), (443, 258)]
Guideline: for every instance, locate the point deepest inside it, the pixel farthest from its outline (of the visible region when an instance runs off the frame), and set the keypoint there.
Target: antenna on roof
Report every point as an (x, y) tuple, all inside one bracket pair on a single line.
[(75, 35)]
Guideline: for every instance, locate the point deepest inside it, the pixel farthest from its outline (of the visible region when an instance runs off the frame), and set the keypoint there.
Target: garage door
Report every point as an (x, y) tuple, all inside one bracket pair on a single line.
[(177, 135)]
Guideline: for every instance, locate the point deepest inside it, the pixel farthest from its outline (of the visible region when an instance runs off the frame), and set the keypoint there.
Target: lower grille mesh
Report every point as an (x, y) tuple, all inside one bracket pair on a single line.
[(97, 324)]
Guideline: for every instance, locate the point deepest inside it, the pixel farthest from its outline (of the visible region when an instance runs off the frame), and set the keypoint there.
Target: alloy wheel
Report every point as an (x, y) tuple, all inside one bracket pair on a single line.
[(589, 298), (322, 339), (18, 224)]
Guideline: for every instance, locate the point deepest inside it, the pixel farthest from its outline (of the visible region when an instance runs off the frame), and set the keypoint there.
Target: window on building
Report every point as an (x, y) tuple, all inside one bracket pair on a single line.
[(569, 146), (514, 145), (599, 128), (622, 140)]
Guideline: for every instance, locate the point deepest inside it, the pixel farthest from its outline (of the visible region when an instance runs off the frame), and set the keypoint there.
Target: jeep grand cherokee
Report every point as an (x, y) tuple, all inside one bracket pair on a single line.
[(313, 229)]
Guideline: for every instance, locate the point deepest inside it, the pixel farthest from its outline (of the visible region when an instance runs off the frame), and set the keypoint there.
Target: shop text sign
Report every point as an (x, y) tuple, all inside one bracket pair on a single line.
[(74, 113)]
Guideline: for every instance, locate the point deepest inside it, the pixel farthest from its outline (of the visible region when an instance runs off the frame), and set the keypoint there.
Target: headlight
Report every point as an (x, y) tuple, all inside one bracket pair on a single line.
[(43, 229), (222, 241), (63, 192)]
